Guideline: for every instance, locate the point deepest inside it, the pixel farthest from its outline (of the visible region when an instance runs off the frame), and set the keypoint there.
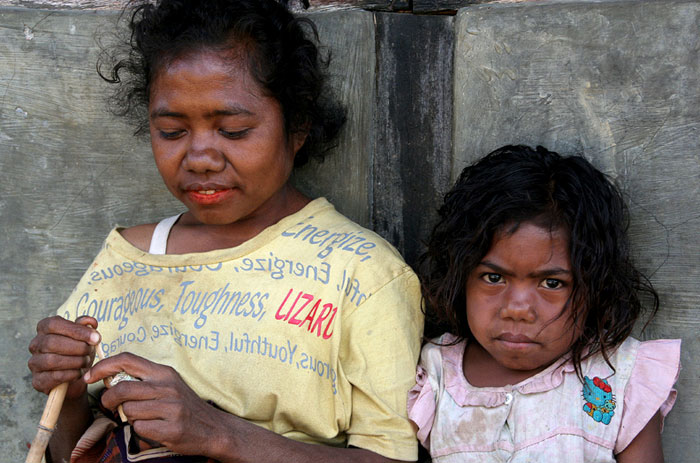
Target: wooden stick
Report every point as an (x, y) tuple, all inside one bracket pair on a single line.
[(49, 418), (101, 356), (47, 424)]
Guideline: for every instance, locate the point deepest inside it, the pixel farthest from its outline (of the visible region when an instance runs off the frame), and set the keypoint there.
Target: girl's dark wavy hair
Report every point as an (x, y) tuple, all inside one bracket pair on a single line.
[(282, 54), (516, 184)]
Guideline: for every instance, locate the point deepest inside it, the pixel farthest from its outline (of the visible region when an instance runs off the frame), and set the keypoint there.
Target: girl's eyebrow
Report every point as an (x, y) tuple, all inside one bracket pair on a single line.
[(547, 272), (228, 111)]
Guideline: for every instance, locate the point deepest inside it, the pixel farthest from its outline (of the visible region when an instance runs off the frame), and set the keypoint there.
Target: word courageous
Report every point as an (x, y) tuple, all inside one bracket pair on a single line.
[(320, 368), (207, 342), (348, 242), (219, 302), (137, 336), (284, 353), (278, 268), (142, 270), (315, 319), (118, 308)]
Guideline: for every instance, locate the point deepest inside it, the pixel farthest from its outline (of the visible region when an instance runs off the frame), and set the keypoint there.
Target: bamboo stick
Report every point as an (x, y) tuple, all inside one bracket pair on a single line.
[(49, 418), (47, 424), (108, 383)]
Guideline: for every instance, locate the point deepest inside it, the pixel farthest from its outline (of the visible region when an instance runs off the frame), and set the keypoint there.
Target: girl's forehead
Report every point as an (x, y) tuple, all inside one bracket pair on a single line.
[(545, 224), (531, 243)]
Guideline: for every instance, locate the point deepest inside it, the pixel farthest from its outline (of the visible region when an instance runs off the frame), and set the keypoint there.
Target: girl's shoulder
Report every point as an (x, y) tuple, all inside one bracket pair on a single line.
[(653, 369), (441, 353)]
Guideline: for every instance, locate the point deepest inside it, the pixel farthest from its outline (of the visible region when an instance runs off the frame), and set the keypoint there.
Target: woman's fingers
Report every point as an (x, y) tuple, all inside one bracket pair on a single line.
[(136, 366), (160, 407), (61, 351), (82, 329)]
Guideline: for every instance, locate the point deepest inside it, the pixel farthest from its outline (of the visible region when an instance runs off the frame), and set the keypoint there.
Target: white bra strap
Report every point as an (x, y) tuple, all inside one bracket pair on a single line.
[(159, 240)]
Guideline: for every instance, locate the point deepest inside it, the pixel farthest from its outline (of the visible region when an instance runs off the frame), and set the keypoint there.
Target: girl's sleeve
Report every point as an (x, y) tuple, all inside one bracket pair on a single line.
[(422, 398), (650, 387)]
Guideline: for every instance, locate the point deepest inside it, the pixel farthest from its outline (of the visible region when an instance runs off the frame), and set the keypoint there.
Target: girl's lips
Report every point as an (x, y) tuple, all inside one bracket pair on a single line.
[(515, 341), (207, 197), (511, 337)]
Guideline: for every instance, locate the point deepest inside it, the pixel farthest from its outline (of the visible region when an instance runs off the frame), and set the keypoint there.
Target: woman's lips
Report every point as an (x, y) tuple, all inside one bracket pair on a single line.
[(209, 196)]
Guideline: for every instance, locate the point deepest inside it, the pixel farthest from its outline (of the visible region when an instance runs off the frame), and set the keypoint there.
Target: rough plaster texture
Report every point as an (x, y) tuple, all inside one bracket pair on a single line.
[(617, 82), (69, 172)]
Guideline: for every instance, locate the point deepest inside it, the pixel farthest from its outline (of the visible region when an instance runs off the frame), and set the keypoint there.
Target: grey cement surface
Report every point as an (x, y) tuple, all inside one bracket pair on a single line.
[(618, 83), (615, 80)]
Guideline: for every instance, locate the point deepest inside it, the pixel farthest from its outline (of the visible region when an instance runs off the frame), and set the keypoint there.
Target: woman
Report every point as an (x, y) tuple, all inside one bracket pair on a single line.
[(259, 322)]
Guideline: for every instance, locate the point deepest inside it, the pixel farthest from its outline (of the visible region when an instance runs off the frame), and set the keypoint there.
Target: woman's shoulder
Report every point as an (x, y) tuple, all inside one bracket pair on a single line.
[(138, 236), (323, 228)]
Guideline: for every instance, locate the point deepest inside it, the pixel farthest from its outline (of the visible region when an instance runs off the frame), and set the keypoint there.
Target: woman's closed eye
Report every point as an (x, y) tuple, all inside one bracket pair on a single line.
[(234, 134), (171, 134)]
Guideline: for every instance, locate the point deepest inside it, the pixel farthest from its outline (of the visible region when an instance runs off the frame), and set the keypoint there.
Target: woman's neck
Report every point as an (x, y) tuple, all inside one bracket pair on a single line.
[(190, 235)]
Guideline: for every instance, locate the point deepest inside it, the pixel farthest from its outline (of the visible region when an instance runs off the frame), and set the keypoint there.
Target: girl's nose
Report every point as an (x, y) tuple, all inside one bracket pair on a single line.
[(203, 156), (518, 305)]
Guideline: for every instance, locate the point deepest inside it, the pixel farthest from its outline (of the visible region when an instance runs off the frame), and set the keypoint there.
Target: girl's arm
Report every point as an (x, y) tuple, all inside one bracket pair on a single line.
[(646, 447), (162, 408)]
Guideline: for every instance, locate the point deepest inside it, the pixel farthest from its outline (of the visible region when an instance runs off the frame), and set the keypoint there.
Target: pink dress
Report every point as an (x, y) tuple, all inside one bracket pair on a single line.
[(551, 416)]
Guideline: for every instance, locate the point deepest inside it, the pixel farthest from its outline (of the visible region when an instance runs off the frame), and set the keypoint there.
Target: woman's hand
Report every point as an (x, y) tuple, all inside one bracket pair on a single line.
[(61, 352), (160, 407)]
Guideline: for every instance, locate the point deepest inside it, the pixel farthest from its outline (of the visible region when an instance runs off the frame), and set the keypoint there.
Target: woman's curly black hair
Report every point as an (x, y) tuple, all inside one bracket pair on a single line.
[(282, 53), (516, 184)]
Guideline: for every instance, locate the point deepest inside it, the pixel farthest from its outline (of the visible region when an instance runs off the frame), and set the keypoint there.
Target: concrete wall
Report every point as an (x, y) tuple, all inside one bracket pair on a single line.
[(614, 80)]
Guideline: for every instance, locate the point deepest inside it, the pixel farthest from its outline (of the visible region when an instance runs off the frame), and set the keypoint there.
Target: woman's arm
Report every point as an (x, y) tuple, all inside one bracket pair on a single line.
[(646, 447), (162, 408)]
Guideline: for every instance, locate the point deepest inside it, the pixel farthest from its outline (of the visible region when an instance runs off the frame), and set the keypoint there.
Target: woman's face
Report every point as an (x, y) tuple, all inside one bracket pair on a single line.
[(518, 306), (219, 142)]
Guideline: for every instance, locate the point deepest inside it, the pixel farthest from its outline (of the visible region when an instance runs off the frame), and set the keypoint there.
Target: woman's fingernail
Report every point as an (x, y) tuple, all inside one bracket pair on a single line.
[(94, 337), (86, 377)]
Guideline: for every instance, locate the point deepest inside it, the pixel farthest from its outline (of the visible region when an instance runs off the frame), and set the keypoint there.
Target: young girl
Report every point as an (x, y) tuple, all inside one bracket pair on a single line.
[(528, 269), (259, 322)]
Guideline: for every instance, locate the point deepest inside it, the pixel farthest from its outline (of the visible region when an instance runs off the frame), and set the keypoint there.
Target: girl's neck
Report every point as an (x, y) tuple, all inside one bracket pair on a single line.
[(481, 370)]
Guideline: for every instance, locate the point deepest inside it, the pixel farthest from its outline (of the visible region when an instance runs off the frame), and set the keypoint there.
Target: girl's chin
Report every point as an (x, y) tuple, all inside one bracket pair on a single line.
[(524, 366)]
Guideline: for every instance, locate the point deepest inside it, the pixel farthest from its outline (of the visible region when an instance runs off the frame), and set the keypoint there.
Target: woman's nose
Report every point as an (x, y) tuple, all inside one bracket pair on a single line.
[(518, 304), (203, 156)]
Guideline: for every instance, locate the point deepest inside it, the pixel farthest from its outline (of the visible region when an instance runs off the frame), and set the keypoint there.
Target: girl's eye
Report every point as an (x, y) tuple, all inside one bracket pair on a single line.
[(492, 278), (552, 283), (233, 134), (171, 134)]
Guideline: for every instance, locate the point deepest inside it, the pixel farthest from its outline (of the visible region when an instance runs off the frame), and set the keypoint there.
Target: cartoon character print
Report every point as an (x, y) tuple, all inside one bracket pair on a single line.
[(599, 400)]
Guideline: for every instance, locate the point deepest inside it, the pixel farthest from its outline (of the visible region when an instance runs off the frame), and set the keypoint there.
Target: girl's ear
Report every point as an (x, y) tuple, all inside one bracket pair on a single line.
[(298, 139)]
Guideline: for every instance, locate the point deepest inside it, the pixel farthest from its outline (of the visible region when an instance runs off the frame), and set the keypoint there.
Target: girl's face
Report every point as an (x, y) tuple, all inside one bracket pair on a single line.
[(515, 298), (219, 142)]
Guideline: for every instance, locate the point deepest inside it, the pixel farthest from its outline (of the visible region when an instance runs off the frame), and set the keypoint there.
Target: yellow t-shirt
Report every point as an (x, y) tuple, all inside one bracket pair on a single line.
[(310, 329)]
